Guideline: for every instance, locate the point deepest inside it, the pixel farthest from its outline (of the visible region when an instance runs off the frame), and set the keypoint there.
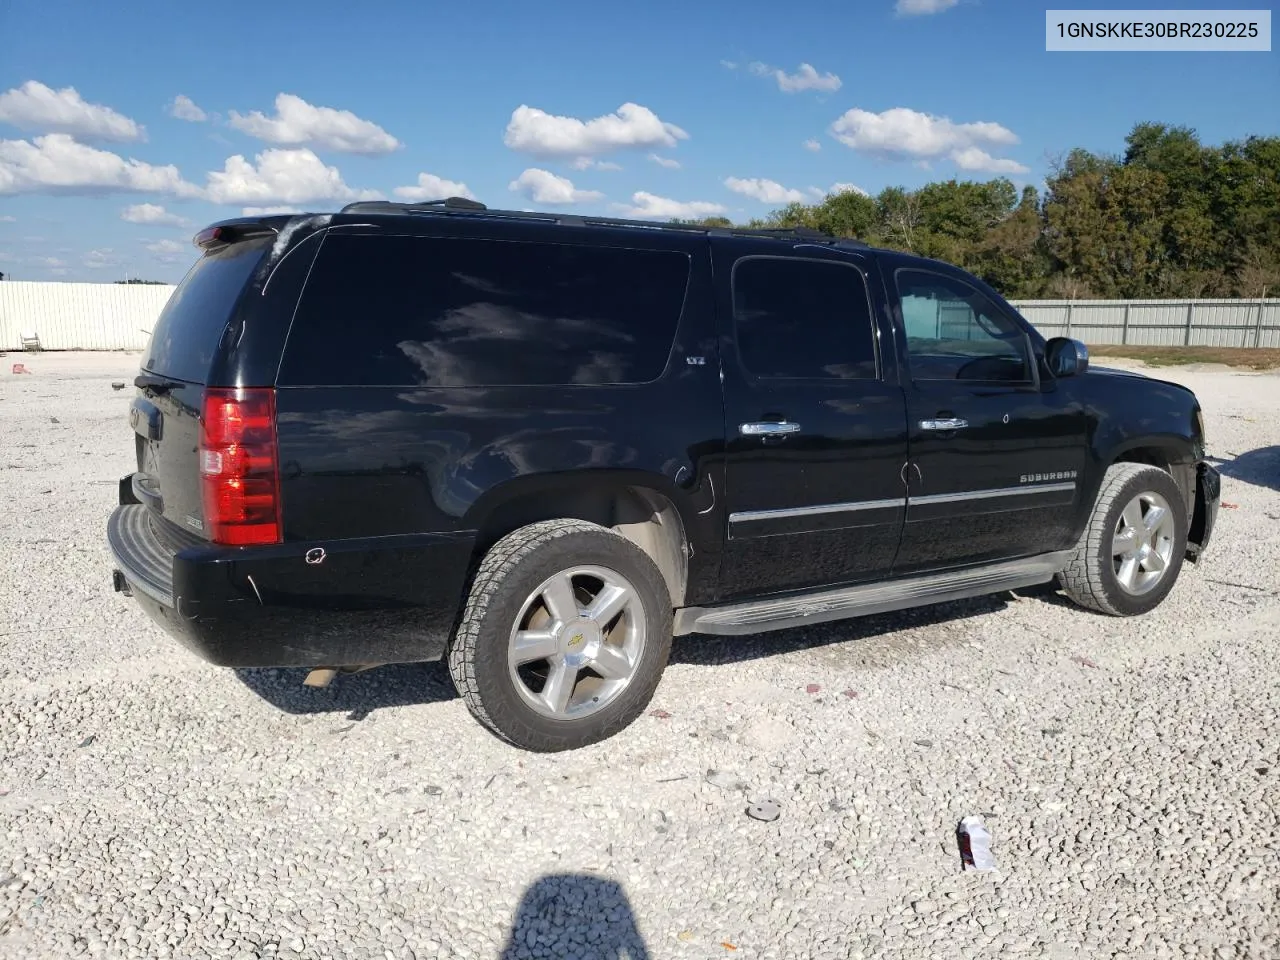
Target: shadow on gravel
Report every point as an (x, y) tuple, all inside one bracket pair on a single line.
[(1260, 467), (407, 684), (575, 915), (708, 650), (359, 694)]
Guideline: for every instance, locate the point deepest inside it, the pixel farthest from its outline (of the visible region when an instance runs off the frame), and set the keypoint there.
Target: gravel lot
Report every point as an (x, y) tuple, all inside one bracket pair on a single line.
[(153, 806)]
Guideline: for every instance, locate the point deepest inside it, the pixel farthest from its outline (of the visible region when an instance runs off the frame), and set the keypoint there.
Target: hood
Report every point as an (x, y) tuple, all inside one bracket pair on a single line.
[(1121, 374), (1117, 372)]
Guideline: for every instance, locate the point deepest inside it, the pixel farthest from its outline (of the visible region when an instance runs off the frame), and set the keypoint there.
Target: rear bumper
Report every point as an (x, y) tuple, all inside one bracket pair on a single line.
[(339, 603), (1205, 515)]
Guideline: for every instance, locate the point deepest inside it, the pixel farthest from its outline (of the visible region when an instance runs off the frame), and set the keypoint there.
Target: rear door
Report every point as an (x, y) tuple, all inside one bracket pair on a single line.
[(815, 421), (183, 349)]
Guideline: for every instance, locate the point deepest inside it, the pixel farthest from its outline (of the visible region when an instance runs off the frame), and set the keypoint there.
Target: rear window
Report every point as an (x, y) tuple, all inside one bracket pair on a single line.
[(455, 312), (186, 336)]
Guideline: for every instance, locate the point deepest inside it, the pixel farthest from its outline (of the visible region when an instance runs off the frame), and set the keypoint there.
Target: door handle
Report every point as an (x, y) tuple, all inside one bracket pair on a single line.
[(953, 423), (768, 428)]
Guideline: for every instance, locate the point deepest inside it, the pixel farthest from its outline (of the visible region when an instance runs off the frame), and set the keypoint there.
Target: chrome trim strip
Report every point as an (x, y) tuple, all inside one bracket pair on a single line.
[(999, 492), (784, 512)]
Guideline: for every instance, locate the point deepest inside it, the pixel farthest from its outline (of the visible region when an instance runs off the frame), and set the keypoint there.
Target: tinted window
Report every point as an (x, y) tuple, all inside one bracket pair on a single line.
[(802, 319), (403, 311), (187, 333), (954, 332)]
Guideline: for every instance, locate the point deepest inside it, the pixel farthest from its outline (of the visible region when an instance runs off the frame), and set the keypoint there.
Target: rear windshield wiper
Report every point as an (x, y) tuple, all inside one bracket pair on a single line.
[(155, 384)]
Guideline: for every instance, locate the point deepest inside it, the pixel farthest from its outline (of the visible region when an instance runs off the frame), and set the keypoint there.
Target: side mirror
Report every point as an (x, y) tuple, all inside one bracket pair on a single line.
[(1065, 357)]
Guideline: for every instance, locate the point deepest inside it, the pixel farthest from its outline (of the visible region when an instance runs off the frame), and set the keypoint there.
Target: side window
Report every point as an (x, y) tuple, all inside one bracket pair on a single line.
[(802, 319), (460, 312), (954, 332)]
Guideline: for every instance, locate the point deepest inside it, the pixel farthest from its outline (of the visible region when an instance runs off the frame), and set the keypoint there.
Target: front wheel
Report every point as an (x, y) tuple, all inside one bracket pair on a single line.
[(1129, 556), (565, 636)]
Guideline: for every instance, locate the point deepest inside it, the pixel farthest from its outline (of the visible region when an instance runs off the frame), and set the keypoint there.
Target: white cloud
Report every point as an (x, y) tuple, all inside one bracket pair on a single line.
[(632, 126), (184, 108), (813, 146), (669, 162), (431, 187), (152, 213), (543, 186), (728, 65), (102, 258), (916, 8), (590, 163), (169, 251), (280, 177), (901, 133), (805, 78), (47, 262), (8, 219), (33, 106), (298, 123), (975, 158), (766, 191), (837, 188), (268, 211), (56, 163), (648, 206)]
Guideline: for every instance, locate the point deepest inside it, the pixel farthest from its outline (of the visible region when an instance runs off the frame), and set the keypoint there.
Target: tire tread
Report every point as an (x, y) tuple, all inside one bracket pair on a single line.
[(1082, 578), (509, 553)]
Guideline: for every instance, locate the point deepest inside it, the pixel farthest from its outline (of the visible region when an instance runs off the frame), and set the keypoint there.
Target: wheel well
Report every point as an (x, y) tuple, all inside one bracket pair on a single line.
[(1152, 456), (1184, 474), (642, 515)]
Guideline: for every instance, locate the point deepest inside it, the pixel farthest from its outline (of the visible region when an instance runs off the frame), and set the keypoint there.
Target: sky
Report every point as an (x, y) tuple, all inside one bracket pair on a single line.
[(124, 128)]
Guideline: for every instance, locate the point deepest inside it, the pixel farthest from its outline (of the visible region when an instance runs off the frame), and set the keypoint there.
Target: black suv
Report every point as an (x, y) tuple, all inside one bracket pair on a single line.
[(540, 446)]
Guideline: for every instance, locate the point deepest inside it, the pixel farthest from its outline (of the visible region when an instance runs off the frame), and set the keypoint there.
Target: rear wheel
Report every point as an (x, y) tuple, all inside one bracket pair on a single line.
[(565, 636), (1130, 554)]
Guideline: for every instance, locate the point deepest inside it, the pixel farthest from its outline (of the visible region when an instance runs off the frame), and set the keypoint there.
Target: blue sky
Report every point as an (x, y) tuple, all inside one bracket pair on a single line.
[(424, 97)]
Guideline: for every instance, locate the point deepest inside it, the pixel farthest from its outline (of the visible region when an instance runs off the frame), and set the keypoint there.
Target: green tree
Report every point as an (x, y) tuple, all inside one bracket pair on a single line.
[(1168, 217)]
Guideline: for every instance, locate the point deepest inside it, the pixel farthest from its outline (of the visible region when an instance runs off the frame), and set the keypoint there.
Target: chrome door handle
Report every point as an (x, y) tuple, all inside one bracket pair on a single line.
[(952, 424), (771, 428)]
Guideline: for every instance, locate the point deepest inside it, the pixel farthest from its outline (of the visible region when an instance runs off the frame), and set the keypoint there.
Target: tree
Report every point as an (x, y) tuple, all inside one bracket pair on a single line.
[(1012, 256), (1168, 217)]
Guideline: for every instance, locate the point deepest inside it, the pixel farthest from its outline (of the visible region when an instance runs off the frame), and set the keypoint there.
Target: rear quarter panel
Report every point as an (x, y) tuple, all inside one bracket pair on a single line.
[(360, 462)]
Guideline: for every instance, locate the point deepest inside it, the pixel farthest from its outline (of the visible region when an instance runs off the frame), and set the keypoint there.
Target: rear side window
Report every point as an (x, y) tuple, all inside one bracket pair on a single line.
[(803, 320), (186, 336), (459, 312)]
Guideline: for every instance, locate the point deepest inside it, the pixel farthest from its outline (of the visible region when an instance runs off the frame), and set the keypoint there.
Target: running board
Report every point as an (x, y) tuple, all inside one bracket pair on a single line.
[(840, 603)]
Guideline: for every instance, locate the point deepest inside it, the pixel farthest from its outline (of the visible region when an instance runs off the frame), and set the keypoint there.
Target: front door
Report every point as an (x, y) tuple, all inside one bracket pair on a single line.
[(996, 460), (815, 421)]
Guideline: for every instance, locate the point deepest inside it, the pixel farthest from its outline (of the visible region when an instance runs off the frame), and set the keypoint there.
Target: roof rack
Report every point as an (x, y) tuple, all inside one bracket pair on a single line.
[(463, 206)]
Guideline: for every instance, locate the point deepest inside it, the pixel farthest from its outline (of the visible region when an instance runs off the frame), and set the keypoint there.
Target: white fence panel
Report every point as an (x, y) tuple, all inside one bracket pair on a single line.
[(1163, 323), (80, 316)]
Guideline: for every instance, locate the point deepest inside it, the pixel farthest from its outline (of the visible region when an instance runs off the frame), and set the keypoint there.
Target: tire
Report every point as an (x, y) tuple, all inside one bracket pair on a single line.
[(533, 593), (1105, 576)]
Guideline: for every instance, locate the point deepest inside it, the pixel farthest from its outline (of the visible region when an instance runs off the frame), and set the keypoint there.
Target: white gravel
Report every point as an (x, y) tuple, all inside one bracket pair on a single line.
[(153, 806)]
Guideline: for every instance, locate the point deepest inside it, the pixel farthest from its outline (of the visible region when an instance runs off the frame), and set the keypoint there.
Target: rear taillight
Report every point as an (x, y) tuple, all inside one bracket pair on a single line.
[(239, 468)]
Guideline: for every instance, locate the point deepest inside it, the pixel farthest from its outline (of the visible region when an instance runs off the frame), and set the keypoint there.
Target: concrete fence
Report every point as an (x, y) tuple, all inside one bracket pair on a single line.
[(107, 316)]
